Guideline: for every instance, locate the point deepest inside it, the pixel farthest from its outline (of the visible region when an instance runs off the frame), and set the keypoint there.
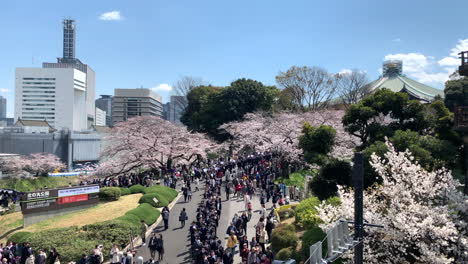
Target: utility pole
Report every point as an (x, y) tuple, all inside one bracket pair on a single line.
[(358, 180)]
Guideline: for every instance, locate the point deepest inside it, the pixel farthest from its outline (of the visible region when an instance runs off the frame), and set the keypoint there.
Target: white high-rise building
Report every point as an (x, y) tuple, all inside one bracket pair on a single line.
[(57, 95), (62, 93)]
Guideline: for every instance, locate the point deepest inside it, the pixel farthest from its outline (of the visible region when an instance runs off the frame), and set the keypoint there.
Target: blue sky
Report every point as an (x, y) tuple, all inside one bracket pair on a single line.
[(152, 42)]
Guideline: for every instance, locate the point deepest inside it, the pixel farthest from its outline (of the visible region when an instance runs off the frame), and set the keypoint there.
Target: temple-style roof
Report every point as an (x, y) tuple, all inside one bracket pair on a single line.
[(394, 80)]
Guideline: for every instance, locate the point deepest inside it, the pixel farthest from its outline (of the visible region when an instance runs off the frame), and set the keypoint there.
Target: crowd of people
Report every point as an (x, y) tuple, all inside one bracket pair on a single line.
[(22, 253), (244, 179), (7, 198), (241, 180)]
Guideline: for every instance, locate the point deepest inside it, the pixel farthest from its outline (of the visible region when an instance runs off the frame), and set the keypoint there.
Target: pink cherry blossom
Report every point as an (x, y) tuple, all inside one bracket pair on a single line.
[(149, 142), (423, 213), (281, 131)]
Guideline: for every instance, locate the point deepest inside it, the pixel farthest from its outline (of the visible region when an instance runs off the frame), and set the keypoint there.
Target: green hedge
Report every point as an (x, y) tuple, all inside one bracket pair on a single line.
[(124, 191), (306, 214), (145, 212), (137, 188), (20, 237), (109, 193), (148, 198), (283, 236), (169, 193), (310, 237)]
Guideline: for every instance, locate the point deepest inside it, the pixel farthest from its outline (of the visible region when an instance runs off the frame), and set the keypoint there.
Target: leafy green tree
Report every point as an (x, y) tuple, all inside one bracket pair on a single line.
[(195, 115), (209, 107), (383, 112), (316, 142), (456, 93)]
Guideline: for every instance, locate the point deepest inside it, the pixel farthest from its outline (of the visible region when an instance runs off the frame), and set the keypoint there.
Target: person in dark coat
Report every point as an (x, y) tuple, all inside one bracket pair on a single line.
[(183, 217), (41, 258)]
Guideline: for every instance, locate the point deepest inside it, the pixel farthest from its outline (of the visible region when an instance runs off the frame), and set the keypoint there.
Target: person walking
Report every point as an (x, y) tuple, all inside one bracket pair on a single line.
[(227, 190), (153, 245), (143, 229), (54, 257), (41, 257), (114, 253), (232, 243), (165, 215), (183, 217), (160, 248)]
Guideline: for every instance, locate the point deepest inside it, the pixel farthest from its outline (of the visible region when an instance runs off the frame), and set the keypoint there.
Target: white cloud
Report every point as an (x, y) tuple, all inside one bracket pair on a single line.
[(163, 87), (112, 15), (3, 90), (461, 46), (345, 71), (449, 61), (427, 69), (412, 62), (396, 40)]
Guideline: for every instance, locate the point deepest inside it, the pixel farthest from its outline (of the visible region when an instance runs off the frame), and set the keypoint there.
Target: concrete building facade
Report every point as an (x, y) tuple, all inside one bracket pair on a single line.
[(105, 103), (100, 117), (3, 107), (57, 95), (129, 103)]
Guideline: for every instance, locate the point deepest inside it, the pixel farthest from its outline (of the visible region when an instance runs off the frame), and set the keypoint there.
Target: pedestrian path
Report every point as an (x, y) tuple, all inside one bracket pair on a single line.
[(177, 239), (237, 206)]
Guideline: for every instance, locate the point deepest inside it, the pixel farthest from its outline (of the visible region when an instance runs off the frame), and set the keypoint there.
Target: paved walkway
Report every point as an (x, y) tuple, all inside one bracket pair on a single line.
[(177, 239)]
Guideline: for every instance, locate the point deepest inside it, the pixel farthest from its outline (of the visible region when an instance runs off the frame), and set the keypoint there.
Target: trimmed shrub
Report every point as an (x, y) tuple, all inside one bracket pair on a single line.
[(286, 211), (124, 191), (169, 193), (285, 253), (109, 194), (283, 236), (306, 213), (20, 237), (148, 198), (145, 212), (137, 188), (310, 237)]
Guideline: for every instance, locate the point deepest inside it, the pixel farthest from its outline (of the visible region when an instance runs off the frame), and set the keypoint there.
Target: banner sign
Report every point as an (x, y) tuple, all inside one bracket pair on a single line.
[(78, 191), (64, 174), (55, 199), (73, 199)]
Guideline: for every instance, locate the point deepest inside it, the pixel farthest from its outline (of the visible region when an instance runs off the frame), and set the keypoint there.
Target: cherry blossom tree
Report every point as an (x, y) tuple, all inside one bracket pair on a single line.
[(38, 164), (149, 142), (424, 215), (280, 132)]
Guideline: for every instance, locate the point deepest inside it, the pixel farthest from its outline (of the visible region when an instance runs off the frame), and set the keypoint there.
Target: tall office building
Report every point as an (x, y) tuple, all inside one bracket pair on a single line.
[(105, 103), (62, 93), (3, 105), (128, 103)]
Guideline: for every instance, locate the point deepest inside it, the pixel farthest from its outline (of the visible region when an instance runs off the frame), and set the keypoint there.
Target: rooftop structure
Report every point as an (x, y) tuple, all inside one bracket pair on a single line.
[(463, 69), (394, 80)]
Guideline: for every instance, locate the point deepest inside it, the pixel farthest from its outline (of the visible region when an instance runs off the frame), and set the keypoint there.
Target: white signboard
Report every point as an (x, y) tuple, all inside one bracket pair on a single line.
[(78, 191)]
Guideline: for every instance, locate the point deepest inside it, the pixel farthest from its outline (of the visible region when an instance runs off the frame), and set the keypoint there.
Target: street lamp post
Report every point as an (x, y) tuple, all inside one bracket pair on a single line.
[(461, 117)]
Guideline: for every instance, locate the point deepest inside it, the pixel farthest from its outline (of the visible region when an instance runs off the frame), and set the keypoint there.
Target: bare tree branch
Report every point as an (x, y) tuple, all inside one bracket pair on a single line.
[(311, 87), (352, 87)]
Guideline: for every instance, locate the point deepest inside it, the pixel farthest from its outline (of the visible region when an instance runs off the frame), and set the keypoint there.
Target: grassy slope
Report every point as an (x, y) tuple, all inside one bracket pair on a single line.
[(99, 213)]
